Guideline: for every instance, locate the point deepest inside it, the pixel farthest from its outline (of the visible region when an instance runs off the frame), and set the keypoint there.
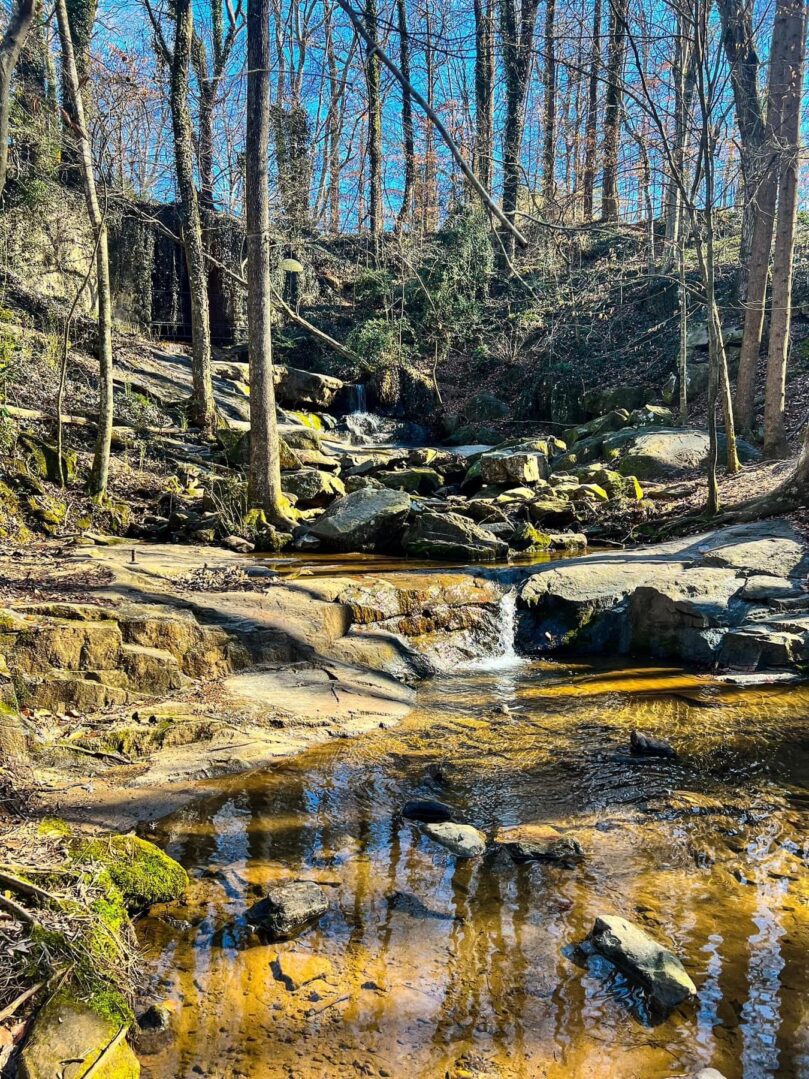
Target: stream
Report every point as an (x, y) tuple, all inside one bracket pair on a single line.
[(426, 966)]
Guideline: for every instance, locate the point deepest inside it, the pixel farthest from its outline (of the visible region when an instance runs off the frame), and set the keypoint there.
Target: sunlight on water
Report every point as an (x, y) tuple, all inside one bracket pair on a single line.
[(430, 967)]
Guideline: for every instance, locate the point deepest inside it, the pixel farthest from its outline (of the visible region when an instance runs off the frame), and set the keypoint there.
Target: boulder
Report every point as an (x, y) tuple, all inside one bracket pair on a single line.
[(554, 511), (538, 843), (363, 520), (663, 452), (462, 840), (419, 480), (652, 416), (638, 955), (450, 536), (611, 421), (485, 406), (428, 811), (589, 492), (474, 434), (313, 488), (598, 401), (615, 485), (287, 909), (752, 647), (68, 1034), (294, 387), (508, 467), (303, 438)]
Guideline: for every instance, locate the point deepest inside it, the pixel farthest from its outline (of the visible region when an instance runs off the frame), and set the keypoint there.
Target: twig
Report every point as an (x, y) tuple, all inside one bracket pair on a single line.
[(23, 887), (7, 1013), (117, 757), (106, 1053), (20, 913)]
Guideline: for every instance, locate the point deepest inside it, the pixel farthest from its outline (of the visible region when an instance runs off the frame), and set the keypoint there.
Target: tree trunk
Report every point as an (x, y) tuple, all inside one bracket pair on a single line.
[(101, 461), (612, 109), (517, 40), (766, 195), (202, 410), (18, 29), (549, 85), (81, 16), (265, 468), (484, 84), (375, 214), (406, 210), (738, 38), (591, 126), (333, 127), (775, 441), (207, 99), (684, 79)]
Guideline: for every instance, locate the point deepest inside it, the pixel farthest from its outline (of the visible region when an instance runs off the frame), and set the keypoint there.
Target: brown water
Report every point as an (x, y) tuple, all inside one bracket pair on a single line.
[(438, 967)]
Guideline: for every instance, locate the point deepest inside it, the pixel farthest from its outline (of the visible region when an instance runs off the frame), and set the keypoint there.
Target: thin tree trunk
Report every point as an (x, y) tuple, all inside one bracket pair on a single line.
[(549, 84), (81, 16), (738, 39), (12, 44), (766, 194), (101, 461), (484, 83), (207, 99), (333, 127), (265, 468), (591, 126), (517, 36), (202, 409), (683, 356), (612, 109), (684, 79), (375, 214), (775, 441), (406, 210)]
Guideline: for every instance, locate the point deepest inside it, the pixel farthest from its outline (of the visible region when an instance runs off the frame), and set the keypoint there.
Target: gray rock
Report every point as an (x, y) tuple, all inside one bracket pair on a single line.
[(538, 843), (646, 745), (508, 467), (636, 953), (363, 520), (450, 536), (294, 387), (462, 840), (774, 556), (428, 811), (485, 406), (67, 1030), (238, 544), (312, 487), (663, 452), (287, 909)]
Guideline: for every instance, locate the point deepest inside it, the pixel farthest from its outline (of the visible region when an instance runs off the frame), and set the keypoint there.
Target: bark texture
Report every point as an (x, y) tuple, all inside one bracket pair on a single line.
[(12, 44)]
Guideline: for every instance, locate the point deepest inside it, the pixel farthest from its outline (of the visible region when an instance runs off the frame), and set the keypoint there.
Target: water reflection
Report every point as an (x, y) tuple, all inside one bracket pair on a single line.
[(463, 968)]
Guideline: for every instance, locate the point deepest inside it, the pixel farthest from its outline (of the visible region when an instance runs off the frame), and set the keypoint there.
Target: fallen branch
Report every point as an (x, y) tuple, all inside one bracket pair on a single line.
[(24, 887), (103, 753), (16, 911), (97, 1065), (15, 1005)]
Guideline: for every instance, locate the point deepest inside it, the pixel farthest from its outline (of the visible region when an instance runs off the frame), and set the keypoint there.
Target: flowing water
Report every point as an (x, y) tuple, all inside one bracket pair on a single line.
[(425, 966)]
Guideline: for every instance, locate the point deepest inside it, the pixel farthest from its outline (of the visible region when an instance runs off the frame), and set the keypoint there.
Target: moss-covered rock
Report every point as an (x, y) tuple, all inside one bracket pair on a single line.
[(67, 1029), (143, 872)]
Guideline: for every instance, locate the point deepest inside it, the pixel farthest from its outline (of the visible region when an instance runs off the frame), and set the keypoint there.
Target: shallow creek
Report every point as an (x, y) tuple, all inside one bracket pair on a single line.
[(427, 966)]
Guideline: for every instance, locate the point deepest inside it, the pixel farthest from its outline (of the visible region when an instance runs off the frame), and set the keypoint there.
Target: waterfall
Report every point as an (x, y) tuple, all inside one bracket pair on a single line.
[(506, 656), (369, 429)]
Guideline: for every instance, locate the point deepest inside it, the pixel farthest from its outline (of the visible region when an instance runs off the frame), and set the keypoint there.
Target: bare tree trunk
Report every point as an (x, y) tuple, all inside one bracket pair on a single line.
[(265, 468), (101, 461), (683, 355), (775, 441), (738, 39), (81, 16), (376, 218), (765, 198), (202, 409), (591, 126), (517, 34), (549, 84), (484, 89), (406, 210), (18, 29), (612, 109), (207, 98), (684, 77)]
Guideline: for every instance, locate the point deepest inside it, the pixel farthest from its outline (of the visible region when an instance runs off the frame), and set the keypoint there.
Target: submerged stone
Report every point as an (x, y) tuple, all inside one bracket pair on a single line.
[(287, 909), (428, 811), (640, 956), (538, 843), (646, 745)]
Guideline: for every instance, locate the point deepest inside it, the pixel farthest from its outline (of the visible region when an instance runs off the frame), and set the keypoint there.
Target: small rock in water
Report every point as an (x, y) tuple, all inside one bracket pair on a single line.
[(538, 843), (502, 709), (153, 1031), (428, 811), (288, 908), (462, 840), (632, 950), (646, 745), (262, 571), (238, 544)]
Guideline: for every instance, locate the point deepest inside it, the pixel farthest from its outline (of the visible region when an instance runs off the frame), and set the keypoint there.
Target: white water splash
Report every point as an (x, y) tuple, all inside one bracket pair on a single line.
[(506, 657), (369, 429)]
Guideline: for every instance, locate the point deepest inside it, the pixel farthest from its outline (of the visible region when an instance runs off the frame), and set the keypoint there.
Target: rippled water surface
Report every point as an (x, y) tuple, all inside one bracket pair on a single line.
[(437, 967)]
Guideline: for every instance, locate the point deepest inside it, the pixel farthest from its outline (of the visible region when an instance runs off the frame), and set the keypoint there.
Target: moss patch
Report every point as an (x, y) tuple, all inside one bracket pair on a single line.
[(144, 874)]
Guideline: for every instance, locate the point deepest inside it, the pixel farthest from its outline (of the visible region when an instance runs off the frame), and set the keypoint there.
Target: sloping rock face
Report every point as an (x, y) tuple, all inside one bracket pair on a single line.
[(363, 520), (734, 598)]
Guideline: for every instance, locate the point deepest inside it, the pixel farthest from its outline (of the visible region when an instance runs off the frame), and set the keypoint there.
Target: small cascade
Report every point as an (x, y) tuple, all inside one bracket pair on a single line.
[(506, 656), (369, 429)]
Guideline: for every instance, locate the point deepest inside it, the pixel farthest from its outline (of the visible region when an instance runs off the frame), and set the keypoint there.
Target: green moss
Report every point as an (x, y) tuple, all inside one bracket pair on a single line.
[(144, 874), (54, 827)]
